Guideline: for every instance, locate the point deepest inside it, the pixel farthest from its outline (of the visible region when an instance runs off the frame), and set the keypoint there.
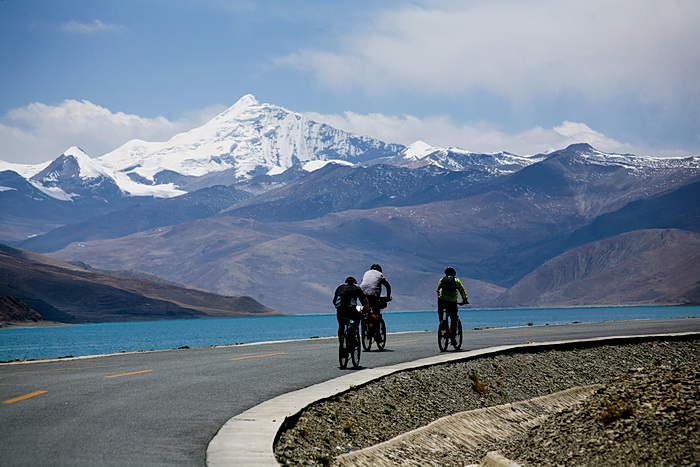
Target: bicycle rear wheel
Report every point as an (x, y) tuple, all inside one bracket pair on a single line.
[(381, 343), (354, 346), (343, 353), (457, 337), (366, 335), (443, 335)]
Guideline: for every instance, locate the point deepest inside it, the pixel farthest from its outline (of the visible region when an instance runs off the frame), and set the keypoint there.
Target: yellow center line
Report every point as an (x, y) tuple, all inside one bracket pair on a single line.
[(401, 342), (26, 396), (129, 374), (258, 356)]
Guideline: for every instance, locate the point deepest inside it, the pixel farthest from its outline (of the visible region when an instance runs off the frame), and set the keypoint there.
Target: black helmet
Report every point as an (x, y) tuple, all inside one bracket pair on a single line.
[(450, 272), (376, 267), (350, 280)]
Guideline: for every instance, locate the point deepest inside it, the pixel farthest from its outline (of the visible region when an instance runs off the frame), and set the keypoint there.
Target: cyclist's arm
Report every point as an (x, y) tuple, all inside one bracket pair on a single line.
[(363, 299), (388, 288), (460, 287)]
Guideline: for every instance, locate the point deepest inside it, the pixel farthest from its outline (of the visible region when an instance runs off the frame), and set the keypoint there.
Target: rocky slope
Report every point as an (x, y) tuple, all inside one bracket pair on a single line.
[(405, 401), (665, 265), (648, 416)]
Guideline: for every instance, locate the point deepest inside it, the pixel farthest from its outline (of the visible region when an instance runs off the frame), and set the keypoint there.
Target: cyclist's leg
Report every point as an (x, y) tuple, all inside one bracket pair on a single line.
[(377, 326), (374, 303), (442, 304), (342, 322), (451, 310)]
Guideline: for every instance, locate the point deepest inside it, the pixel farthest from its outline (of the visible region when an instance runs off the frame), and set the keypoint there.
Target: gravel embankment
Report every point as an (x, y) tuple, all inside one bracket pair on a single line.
[(644, 417), (636, 425)]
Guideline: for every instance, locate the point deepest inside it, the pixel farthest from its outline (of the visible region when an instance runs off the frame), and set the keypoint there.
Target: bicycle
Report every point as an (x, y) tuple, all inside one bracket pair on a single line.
[(450, 331), (374, 328), (349, 347)]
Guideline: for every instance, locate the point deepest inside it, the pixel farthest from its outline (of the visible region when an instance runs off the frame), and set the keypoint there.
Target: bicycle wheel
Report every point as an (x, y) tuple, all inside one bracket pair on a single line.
[(355, 347), (457, 337), (343, 353), (443, 335), (381, 334), (366, 334)]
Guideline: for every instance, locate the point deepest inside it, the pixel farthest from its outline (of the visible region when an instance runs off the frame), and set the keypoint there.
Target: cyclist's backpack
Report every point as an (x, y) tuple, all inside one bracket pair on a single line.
[(448, 284), (347, 297)]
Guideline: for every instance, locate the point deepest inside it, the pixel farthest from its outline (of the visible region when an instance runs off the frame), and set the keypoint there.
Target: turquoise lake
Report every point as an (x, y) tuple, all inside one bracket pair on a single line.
[(101, 338)]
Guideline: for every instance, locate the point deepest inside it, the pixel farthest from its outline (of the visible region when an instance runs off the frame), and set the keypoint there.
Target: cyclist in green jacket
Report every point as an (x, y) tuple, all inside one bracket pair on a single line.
[(448, 291)]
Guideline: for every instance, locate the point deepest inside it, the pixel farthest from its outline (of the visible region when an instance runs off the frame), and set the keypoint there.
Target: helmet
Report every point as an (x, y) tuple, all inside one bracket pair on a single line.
[(450, 272), (376, 267), (350, 280)]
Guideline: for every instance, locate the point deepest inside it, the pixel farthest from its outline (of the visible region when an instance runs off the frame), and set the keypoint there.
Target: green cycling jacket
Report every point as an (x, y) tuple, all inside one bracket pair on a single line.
[(452, 295)]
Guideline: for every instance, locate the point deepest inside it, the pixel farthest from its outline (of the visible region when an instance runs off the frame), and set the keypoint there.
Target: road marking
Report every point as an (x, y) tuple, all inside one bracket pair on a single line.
[(258, 356), (128, 374), (26, 396), (401, 342)]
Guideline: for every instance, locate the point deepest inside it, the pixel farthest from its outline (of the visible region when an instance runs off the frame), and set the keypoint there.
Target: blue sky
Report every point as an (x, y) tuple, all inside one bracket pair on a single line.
[(522, 76)]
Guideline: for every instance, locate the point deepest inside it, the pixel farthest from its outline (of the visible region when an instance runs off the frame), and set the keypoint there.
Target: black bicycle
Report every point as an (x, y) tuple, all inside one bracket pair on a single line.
[(349, 348), (450, 331), (374, 328)]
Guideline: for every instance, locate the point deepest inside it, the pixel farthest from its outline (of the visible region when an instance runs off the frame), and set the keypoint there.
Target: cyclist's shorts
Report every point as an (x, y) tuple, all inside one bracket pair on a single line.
[(447, 306), (346, 314)]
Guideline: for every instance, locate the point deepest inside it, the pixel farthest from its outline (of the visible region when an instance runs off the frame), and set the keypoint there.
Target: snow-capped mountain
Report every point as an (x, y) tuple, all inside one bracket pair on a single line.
[(74, 174), (252, 139), (420, 154), (248, 139)]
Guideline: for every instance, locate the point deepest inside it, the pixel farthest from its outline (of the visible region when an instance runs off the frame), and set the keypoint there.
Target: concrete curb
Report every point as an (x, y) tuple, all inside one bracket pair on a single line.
[(248, 438)]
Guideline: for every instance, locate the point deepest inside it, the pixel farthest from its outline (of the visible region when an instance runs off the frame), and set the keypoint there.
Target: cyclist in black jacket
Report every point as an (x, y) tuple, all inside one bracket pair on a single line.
[(346, 299)]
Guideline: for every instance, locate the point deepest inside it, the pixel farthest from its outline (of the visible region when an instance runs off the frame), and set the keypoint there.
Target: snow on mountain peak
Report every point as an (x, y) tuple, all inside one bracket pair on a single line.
[(87, 166), (247, 103), (418, 150), (249, 138), (313, 166)]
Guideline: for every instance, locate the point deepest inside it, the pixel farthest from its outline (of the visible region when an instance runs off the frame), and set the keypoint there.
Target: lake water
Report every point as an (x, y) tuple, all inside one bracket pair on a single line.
[(101, 338)]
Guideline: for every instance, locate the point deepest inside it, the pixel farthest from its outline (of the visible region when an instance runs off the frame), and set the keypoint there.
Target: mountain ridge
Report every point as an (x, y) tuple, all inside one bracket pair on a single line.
[(287, 227)]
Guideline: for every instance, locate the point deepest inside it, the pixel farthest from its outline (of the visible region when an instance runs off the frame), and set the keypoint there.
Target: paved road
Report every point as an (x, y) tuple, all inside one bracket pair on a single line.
[(163, 408)]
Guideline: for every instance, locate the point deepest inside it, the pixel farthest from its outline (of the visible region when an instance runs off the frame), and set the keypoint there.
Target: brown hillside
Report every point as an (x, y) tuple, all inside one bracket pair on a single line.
[(644, 267), (68, 293)]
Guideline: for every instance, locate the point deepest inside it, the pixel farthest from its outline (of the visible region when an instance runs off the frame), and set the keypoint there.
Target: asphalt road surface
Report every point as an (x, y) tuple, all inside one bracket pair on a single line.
[(163, 408)]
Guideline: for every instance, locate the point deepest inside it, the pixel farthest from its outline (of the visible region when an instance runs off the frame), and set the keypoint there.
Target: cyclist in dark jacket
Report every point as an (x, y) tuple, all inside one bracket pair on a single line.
[(346, 299), (448, 291)]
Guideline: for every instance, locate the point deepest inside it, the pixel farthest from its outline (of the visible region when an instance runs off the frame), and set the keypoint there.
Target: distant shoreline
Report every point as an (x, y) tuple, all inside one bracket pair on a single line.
[(31, 324)]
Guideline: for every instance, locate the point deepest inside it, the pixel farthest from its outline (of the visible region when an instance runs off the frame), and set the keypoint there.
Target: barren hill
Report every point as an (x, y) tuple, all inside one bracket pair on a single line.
[(643, 267), (63, 292)]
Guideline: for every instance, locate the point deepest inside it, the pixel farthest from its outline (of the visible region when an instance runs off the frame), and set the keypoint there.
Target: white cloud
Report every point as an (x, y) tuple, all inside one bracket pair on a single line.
[(96, 26), (522, 50), (442, 131), (41, 132)]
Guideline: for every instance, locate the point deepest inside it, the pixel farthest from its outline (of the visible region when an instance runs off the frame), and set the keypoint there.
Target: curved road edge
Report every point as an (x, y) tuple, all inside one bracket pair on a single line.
[(249, 437)]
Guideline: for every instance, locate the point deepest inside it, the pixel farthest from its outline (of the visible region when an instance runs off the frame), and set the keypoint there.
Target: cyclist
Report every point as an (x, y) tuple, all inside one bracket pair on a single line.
[(449, 289), (371, 285), (346, 299)]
